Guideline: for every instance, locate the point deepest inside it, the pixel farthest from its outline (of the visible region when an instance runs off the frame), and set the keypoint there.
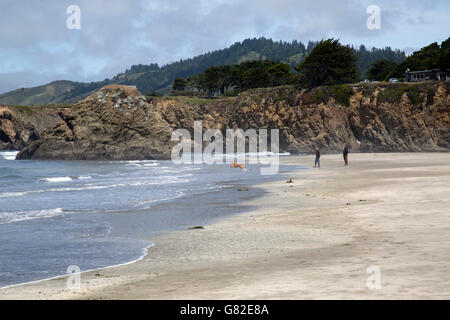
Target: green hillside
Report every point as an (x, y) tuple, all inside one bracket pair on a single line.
[(152, 77), (37, 95)]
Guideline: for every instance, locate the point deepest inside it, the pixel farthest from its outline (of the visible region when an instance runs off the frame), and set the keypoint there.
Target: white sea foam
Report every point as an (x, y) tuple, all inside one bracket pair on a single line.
[(9, 217), (153, 164), (178, 194), (142, 164), (57, 179), (84, 178), (8, 155), (160, 180)]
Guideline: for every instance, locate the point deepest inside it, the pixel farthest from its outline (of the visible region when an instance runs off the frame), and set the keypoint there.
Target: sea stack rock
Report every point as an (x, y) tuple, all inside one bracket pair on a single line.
[(115, 123)]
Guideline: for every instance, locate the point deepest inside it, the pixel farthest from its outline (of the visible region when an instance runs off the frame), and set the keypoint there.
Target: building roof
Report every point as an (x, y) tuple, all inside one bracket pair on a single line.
[(424, 71)]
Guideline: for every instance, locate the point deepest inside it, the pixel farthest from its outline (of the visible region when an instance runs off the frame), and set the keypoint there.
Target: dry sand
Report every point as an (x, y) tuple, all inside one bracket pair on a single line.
[(312, 239)]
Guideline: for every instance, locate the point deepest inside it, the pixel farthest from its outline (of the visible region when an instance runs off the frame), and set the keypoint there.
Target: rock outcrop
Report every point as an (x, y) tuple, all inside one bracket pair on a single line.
[(119, 123), (369, 117), (116, 123), (19, 126)]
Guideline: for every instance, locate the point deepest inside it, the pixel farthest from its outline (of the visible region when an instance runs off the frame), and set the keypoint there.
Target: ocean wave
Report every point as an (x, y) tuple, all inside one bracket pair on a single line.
[(143, 165), (9, 217), (153, 164), (160, 180), (11, 176), (56, 179), (8, 155), (178, 194), (178, 169), (65, 179), (84, 178)]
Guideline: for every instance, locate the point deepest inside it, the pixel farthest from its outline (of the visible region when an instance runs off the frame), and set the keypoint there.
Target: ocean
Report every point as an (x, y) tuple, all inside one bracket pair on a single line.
[(95, 214)]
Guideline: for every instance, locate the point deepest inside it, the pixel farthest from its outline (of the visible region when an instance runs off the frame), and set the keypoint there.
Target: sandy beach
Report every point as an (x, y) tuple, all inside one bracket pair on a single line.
[(314, 238)]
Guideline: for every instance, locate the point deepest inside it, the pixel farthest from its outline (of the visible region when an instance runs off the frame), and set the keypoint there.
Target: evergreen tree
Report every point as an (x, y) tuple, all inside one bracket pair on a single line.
[(329, 63), (179, 84), (380, 69), (430, 57), (280, 74)]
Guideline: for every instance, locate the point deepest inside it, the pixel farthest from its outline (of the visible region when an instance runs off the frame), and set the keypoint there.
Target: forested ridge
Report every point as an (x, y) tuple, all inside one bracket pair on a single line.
[(152, 77)]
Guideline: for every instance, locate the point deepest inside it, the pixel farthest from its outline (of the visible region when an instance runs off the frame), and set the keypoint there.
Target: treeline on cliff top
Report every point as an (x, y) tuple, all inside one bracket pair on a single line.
[(329, 63), (433, 56), (152, 77), (149, 78)]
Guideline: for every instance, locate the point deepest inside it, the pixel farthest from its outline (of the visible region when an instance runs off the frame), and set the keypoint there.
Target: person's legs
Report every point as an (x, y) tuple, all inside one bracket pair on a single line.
[(346, 159)]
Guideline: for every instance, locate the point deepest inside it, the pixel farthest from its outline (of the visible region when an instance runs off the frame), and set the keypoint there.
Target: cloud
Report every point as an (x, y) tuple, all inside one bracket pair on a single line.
[(36, 46)]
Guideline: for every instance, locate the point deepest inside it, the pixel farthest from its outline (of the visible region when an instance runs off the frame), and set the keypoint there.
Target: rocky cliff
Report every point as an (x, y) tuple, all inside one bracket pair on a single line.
[(119, 123), (19, 126), (116, 123)]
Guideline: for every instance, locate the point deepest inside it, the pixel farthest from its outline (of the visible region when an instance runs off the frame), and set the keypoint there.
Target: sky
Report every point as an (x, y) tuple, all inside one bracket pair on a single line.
[(37, 46)]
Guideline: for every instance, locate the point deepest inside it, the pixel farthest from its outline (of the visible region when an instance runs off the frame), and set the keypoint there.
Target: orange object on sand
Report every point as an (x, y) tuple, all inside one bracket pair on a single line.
[(237, 165)]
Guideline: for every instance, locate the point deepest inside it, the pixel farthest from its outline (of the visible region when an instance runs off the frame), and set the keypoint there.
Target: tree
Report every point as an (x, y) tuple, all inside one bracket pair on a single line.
[(444, 57), (179, 84), (280, 74), (154, 94), (429, 57), (329, 63), (380, 69)]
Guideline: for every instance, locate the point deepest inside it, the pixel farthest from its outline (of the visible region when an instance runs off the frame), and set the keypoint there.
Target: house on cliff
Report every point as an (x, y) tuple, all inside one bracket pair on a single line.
[(424, 75)]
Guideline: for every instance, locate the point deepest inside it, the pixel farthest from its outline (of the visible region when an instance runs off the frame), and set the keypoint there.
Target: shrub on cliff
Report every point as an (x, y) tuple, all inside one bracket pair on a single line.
[(416, 93), (330, 63), (341, 93)]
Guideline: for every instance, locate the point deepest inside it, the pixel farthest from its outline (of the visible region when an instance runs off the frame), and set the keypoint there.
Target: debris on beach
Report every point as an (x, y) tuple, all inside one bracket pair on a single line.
[(196, 228), (237, 165)]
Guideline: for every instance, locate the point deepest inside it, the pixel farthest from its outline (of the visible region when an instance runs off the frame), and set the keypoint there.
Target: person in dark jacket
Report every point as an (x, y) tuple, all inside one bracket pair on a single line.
[(317, 162), (345, 154)]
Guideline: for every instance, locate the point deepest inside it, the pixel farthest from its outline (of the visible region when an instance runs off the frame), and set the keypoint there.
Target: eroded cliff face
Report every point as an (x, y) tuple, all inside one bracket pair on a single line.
[(116, 123), (19, 126), (415, 121), (369, 117), (119, 123)]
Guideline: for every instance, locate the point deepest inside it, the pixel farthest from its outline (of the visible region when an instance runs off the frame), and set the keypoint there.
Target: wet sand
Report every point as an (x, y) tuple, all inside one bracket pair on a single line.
[(314, 238)]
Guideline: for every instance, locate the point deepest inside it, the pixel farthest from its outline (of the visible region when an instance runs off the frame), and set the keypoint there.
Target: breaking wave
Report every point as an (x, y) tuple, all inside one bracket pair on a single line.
[(9, 217)]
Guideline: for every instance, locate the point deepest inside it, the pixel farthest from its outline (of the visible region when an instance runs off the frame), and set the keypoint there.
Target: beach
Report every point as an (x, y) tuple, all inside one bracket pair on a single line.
[(314, 238)]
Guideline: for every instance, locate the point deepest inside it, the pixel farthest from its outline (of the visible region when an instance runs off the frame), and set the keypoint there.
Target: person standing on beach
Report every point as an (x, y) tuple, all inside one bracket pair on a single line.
[(345, 154), (317, 162)]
